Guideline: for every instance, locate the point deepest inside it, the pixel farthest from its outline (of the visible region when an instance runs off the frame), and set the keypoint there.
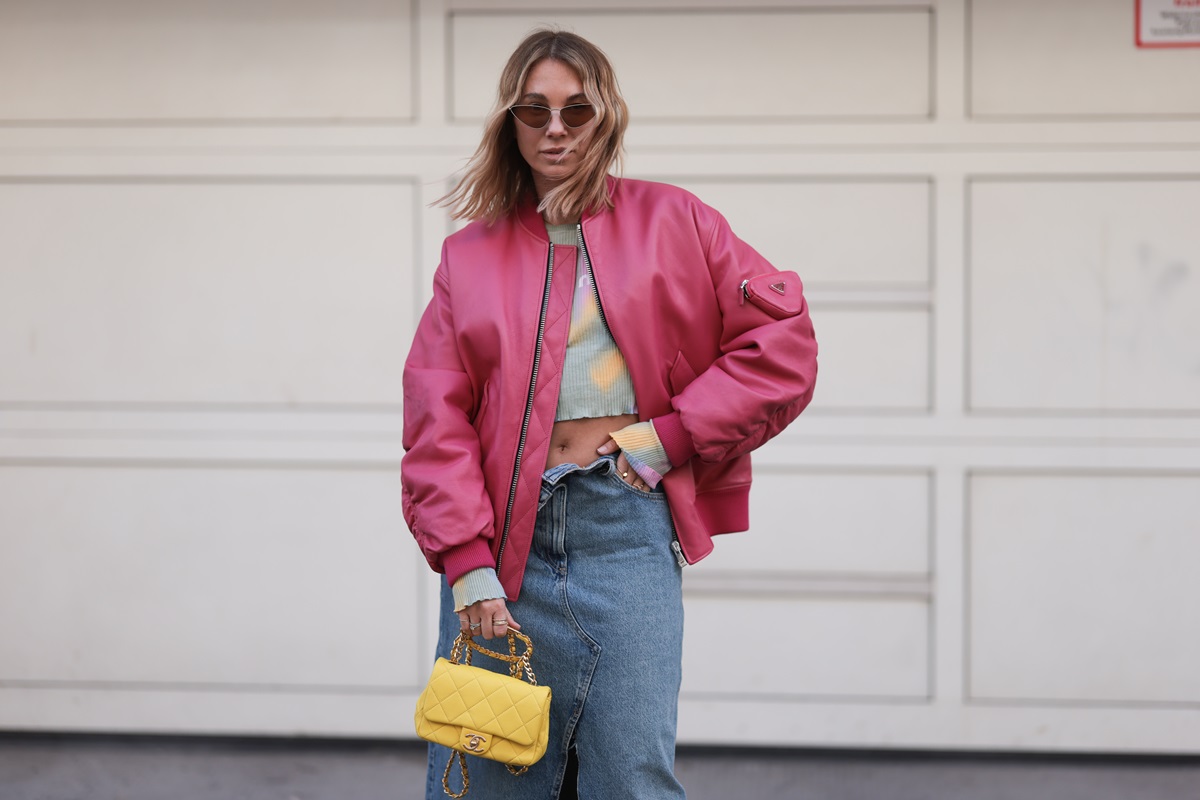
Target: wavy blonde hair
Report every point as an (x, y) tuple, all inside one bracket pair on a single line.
[(497, 177)]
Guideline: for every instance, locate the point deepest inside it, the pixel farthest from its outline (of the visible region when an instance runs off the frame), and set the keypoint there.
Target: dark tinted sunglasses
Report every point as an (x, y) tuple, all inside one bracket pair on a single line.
[(573, 116)]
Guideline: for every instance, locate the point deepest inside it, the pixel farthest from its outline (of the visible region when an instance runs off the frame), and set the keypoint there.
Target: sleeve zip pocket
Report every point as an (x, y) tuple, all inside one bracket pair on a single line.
[(780, 294)]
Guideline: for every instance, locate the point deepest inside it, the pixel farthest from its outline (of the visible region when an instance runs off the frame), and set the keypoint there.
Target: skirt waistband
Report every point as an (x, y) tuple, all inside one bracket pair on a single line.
[(555, 475)]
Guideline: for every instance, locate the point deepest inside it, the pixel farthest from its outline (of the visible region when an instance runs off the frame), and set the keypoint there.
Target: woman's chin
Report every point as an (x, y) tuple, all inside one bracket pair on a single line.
[(549, 178)]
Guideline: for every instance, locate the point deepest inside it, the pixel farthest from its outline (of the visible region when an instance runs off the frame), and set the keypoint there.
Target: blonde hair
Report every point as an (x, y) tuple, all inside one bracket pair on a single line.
[(497, 177)]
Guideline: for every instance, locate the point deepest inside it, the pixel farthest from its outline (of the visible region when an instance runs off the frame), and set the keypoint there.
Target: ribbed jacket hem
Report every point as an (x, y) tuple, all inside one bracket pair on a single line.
[(675, 440), (463, 558), (725, 510)]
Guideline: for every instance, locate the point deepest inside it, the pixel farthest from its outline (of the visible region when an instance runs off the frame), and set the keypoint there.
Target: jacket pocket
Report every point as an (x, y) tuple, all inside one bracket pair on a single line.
[(483, 404), (780, 294), (681, 374)]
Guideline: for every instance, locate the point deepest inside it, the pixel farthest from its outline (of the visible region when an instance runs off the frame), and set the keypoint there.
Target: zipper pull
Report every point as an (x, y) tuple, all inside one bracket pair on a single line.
[(745, 295), (678, 548)]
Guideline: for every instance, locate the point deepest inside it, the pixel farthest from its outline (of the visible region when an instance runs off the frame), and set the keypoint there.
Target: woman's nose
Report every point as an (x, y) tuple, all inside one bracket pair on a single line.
[(555, 126)]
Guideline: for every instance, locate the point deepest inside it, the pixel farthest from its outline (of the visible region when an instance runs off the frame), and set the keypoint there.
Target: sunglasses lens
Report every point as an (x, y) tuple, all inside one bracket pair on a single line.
[(538, 116), (577, 115), (533, 116)]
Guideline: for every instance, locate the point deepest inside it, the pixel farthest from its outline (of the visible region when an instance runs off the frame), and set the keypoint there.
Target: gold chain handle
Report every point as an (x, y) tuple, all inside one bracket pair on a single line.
[(465, 643)]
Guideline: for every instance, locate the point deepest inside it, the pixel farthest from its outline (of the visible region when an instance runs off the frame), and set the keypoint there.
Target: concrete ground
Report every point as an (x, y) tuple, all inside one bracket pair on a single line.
[(99, 767)]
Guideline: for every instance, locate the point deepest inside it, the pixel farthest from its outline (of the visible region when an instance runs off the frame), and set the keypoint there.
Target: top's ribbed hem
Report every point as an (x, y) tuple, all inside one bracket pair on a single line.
[(478, 584)]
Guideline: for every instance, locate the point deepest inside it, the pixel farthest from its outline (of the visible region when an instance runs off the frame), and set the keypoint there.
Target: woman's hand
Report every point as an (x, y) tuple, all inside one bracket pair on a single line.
[(623, 469), (487, 617)]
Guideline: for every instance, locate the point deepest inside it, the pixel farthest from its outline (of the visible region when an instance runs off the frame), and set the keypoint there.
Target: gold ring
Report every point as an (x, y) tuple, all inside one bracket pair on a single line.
[(624, 474)]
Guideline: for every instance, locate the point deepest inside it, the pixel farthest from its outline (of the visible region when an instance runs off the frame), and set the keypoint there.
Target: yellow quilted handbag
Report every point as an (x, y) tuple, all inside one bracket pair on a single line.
[(483, 713)]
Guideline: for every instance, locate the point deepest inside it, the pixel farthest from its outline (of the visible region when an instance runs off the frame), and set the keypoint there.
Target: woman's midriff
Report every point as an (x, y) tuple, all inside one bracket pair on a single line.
[(574, 441)]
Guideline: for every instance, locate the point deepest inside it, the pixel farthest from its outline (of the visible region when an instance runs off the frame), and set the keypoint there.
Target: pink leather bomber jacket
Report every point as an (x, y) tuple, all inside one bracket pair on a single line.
[(719, 364)]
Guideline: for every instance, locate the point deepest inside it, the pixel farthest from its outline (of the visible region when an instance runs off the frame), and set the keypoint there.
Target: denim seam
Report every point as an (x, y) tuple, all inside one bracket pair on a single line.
[(585, 683)]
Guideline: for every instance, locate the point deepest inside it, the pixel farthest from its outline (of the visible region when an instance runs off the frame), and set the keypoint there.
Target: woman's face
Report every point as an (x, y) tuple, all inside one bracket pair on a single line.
[(554, 151)]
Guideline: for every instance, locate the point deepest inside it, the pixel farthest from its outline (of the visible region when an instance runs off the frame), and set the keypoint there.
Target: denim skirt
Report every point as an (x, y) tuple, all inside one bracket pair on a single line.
[(602, 601)]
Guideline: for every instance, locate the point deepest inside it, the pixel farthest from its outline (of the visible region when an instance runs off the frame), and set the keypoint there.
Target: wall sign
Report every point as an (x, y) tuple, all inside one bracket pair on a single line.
[(1168, 23)]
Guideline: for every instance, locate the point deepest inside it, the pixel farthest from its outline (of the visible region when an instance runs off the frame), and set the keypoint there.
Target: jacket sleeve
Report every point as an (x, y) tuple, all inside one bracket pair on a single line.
[(446, 504), (766, 370)]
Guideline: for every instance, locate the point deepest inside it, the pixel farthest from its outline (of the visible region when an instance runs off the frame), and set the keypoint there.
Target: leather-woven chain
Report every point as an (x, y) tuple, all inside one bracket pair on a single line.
[(517, 664)]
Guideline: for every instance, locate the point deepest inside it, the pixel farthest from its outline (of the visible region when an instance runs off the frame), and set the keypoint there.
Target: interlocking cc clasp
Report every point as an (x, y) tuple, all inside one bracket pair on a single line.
[(473, 742)]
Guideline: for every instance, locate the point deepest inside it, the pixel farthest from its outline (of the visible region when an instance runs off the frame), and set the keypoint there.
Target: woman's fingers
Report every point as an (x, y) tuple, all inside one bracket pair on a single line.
[(628, 475), (623, 467), (468, 624), (489, 618), (624, 470)]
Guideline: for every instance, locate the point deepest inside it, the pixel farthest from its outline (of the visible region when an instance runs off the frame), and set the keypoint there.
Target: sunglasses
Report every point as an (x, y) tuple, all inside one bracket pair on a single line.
[(536, 116)]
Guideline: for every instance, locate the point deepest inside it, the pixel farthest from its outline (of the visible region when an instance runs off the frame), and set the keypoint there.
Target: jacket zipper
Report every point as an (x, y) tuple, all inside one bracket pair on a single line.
[(676, 546), (587, 263), (537, 359)]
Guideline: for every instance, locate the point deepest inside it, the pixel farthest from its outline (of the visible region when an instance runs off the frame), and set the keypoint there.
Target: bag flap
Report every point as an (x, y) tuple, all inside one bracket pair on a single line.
[(486, 702), (780, 294)]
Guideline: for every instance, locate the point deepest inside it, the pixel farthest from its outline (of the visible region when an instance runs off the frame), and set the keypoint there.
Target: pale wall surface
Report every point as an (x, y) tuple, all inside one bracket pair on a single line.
[(215, 240)]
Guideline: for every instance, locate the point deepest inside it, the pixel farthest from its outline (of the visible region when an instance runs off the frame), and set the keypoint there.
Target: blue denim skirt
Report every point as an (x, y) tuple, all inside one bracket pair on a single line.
[(602, 601)]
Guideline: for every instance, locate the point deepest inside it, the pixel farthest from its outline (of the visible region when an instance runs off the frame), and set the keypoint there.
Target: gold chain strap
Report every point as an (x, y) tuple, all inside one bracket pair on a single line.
[(462, 763), (465, 643), (466, 778), (461, 654)]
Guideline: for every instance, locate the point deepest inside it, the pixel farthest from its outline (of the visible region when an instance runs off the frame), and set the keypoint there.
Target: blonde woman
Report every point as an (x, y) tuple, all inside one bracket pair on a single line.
[(599, 358)]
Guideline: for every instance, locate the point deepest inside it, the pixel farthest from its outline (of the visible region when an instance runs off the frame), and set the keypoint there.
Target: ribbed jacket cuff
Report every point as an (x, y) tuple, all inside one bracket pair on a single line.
[(674, 438), (461, 559), (478, 584)]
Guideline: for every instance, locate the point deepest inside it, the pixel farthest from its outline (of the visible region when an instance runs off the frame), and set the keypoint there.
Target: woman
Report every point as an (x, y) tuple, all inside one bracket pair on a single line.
[(598, 359)]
